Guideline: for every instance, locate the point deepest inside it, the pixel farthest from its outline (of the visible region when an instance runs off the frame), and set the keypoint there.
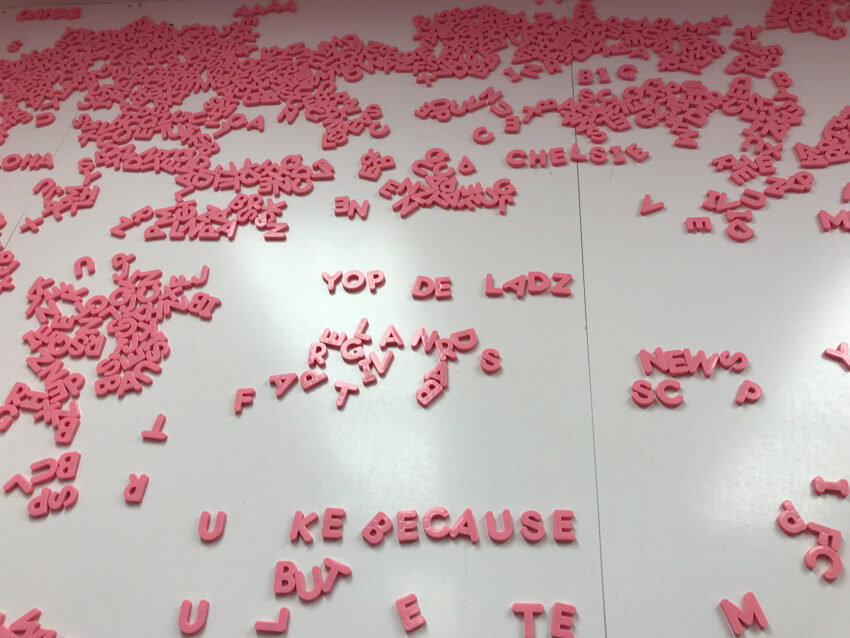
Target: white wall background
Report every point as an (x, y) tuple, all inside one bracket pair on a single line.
[(675, 509)]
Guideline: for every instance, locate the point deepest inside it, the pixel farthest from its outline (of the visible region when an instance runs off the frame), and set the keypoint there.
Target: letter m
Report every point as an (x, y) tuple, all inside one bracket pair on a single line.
[(828, 222), (740, 618)]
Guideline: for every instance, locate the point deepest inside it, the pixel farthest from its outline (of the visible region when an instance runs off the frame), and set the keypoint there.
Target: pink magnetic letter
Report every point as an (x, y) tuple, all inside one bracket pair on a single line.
[(204, 526), (135, 490), (528, 611), (751, 613), (749, 392), (409, 612), (188, 627), (244, 396)]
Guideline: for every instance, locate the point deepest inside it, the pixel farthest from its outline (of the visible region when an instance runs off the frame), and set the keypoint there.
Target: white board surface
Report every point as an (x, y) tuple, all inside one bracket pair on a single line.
[(674, 509)]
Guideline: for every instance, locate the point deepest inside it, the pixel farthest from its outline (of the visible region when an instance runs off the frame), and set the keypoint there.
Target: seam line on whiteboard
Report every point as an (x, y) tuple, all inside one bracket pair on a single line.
[(12, 233), (589, 377)]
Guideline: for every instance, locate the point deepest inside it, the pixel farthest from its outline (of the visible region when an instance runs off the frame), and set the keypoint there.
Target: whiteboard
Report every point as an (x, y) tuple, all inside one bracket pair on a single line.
[(675, 509)]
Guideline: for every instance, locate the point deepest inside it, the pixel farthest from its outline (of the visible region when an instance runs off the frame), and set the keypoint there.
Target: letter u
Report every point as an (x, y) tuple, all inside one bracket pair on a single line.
[(191, 628), (301, 587), (496, 536), (204, 527)]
